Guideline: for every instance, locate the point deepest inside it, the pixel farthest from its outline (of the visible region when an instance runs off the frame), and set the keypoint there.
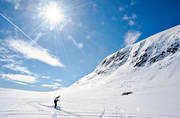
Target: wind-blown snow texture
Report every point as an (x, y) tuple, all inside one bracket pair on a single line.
[(150, 69)]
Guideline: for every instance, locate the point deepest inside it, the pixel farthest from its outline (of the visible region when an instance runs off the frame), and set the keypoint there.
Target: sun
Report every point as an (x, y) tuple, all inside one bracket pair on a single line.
[(52, 13)]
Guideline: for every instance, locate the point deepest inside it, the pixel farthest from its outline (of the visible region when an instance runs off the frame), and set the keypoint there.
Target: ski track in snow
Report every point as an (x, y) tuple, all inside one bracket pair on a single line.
[(43, 110)]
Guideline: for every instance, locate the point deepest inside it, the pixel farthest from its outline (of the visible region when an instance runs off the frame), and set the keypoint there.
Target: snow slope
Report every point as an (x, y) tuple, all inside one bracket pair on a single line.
[(157, 51), (150, 69)]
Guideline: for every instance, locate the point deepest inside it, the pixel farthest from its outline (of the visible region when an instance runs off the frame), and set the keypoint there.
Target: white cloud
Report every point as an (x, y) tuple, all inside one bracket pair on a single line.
[(33, 51), (121, 8), (131, 22), (6, 54), (22, 83), (132, 37), (45, 77), (12, 61), (53, 86), (58, 80), (16, 67), (78, 45), (132, 2), (126, 17), (19, 77), (130, 19)]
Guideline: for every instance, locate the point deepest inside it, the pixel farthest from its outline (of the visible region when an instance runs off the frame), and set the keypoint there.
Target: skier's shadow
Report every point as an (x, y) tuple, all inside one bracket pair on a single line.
[(58, 108), (70, 113), (49, 106)]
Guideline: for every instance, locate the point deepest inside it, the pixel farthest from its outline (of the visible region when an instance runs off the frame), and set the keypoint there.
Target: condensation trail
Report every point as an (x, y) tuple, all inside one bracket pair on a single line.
[(8, 20)]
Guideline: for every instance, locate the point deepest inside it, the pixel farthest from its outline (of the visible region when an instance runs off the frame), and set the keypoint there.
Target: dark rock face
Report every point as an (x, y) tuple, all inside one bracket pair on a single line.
[(146, 57), (113, 62), (140, 46), (119, 56), (143, 58), (106, 62), (99, 72), (173, 48), (157, 57), (135, 53), (138, 59), (140, 56)]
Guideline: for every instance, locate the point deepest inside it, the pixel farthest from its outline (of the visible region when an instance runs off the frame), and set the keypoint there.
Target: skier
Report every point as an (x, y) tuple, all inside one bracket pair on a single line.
[(55, 101)]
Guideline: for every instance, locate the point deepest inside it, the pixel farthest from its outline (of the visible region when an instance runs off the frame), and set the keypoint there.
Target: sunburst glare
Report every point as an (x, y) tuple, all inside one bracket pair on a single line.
[(52, 13)]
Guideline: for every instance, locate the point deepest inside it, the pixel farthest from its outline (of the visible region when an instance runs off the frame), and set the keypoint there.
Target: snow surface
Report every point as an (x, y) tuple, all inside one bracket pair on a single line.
[(150, 69)]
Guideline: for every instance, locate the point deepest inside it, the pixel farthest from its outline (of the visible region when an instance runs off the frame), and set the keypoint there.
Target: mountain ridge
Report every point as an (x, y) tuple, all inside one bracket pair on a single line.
[(145, 53)]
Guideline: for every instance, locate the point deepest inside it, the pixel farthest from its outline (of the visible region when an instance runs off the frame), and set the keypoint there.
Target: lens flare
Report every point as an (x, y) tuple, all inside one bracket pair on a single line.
[(52, 13)]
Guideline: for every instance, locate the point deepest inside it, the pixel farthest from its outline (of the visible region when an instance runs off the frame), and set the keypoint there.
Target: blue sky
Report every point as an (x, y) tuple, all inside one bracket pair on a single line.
[(42, 51)]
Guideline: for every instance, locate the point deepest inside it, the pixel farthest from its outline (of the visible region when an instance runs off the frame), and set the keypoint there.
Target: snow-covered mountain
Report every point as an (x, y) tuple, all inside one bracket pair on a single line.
[(153, 53), (150, 69)]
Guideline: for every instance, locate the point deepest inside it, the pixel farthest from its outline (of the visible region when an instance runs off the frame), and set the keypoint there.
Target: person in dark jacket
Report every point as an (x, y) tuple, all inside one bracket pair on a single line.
[(55, 101)]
